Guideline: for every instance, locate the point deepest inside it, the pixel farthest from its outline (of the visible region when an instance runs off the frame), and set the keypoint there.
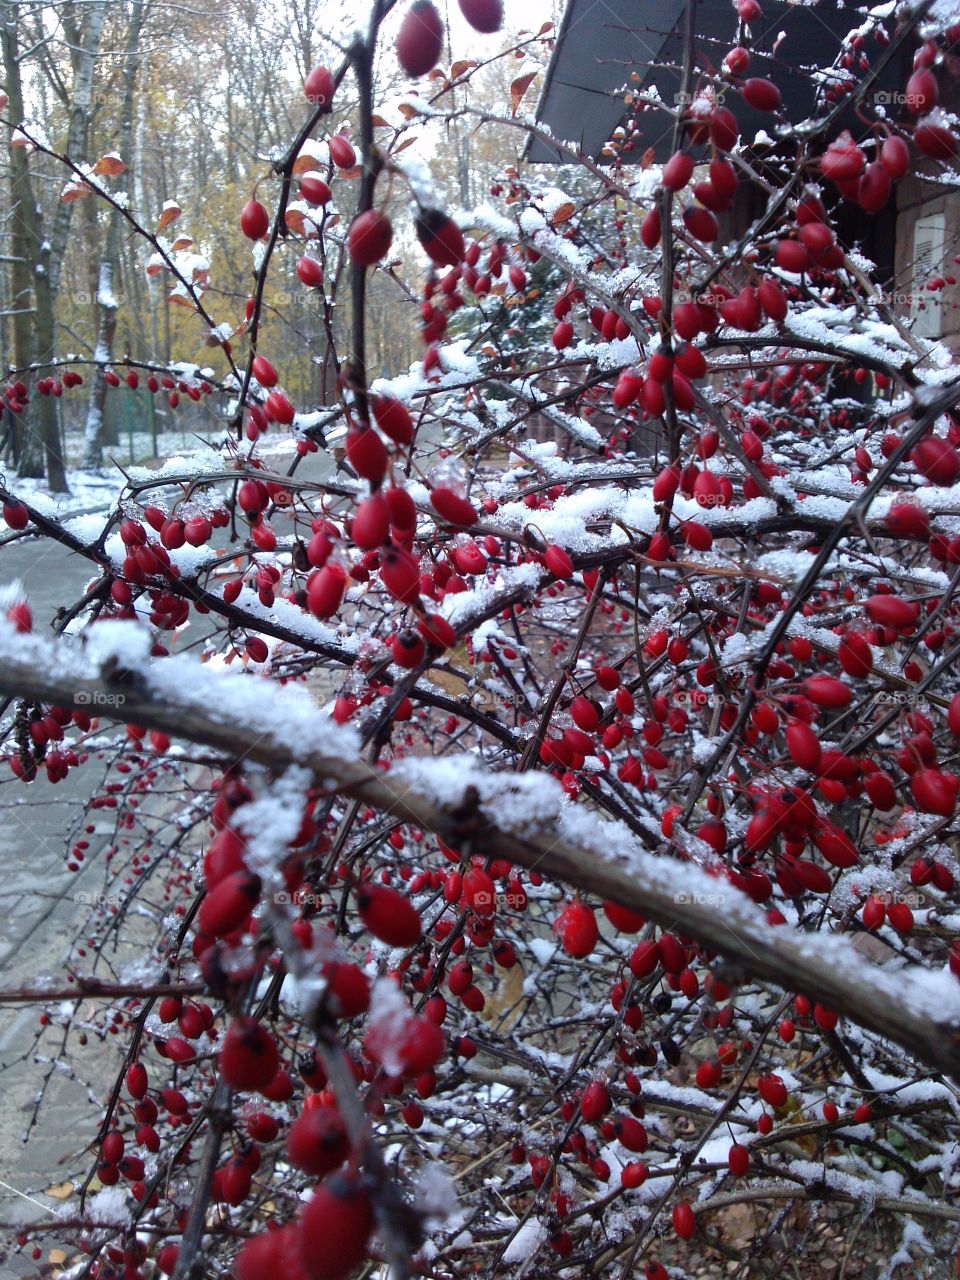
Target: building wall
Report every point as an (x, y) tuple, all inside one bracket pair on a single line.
[(916, 199)]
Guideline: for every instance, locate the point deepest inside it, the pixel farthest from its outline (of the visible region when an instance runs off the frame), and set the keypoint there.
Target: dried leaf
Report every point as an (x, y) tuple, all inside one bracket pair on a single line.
[(57, 1257), (562, 213), (170, 213), (74, 191), (295, 220), (407, 142), (305, 164), (547, 26), (519, 88), (461, 68), (407, 111), (61, 1191), (179, 300), (111, 165), (646, 160), (181, 242), (378, 122)]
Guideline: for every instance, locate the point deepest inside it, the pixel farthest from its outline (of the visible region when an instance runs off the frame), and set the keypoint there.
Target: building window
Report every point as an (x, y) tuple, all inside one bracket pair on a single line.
[(925, 307)]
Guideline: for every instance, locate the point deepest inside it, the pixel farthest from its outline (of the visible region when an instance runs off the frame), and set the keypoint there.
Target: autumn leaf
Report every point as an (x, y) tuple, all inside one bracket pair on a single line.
[(519, 88), (407, 142), (378, 122), (74, 191), (461, 68), (61, 1191), (109, 165), (547, 26), (170, 212), (562, 213), (295, 219), (181, 242), (180, 300), (646, 160), (304, 164)]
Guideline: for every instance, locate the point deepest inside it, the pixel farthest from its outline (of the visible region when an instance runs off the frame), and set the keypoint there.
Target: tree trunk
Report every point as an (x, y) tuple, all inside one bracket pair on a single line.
[(84, 60), (28, 441), (106, 299)]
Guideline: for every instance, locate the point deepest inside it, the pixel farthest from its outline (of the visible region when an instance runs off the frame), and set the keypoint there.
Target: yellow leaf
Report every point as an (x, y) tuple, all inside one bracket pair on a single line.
[(110, 164), (170, 213), (62, 1191), (57, 1257), (519, 88)]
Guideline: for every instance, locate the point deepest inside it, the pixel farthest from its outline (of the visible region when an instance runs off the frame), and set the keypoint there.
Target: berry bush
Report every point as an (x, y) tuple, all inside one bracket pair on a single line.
[(540, 763)]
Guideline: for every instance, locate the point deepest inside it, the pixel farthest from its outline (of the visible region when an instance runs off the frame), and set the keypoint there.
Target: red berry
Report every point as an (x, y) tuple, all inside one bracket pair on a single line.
[(684, 1221), (314, 189), (319, 88), (371, 525), (369, 237), (762, 95), (450, 506), (367, 453), (400, 574), (738, 1160), (325, 590), (678, 171), (248, 1057), (440, 238), (271, 1254), (254, 222), (393, 418), (341, 152), (485, 16), (334, 1228), (317, 1141), (420, 39), (576, 927), (389, 915)]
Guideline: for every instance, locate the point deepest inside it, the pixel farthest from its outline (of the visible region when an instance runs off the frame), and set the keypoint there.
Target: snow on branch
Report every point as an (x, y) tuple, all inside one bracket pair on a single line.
[(523, 818)]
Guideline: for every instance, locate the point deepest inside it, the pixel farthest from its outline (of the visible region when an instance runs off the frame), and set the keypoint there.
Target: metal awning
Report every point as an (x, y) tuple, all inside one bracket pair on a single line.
[(601, 42)]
